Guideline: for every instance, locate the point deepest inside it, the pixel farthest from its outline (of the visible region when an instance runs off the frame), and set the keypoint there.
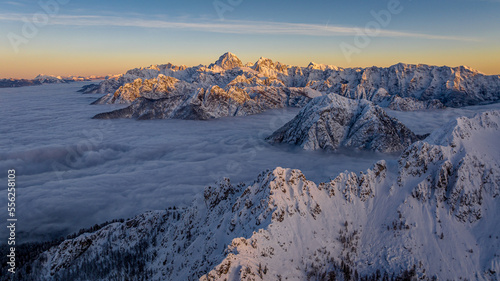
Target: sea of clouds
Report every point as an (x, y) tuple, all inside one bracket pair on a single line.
[(74, 171)]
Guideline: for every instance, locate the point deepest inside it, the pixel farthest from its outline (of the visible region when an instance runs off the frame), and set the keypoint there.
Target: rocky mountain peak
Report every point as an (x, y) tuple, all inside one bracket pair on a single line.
[(43, 77), (400, 87), (229, 61), (263, 63), (438, 207), (332, 121), (320, 66)]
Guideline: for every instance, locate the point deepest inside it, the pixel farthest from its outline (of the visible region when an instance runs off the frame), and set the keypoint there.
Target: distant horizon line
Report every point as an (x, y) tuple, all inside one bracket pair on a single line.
[(204, 65)]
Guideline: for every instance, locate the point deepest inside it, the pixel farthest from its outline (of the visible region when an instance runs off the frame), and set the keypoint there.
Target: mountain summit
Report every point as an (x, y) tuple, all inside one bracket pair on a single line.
[(432, 215), (228, 61), (274, 85), (332, 121)]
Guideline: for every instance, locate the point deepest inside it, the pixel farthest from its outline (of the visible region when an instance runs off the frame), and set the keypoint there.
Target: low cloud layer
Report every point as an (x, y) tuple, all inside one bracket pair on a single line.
[(73, 171)]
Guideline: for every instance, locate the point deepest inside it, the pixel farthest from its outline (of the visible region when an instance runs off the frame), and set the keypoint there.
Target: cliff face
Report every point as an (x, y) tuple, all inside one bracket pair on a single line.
[(332, 121), (227, 61), (455, 87), (434, 213), (452, 86), (400, 87), (203, 103), (154, 88)]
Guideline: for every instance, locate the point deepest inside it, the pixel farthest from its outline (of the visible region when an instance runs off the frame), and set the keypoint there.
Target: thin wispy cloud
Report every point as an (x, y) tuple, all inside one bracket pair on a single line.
[(230, 27), (14, 3)]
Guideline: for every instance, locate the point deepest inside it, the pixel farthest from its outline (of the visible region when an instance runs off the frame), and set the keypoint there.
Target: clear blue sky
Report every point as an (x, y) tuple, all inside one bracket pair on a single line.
[(106, 37)]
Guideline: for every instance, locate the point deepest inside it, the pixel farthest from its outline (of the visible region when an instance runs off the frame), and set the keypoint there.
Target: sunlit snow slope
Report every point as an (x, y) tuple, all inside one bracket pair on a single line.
[(434, 213)]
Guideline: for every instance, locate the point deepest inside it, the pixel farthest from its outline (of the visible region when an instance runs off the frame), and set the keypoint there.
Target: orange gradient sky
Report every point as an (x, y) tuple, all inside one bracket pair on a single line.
[(77, 40), (29, 65)]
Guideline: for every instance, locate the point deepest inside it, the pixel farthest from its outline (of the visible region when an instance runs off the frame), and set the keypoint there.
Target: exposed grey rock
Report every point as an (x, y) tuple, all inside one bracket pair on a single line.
[(432, 214), (332, 121), (203, 104), (411, 104), (451, 86), (228, 61)]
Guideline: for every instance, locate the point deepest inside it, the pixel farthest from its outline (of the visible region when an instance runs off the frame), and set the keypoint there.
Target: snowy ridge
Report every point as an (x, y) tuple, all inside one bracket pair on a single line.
[(64, 79), (332, 121), (399, 87), (468, 176), (222, 89), (154, 88), (434, 214), (447, 231), (207, 103), (46, 79), (419, 86), (411, 104), (227, 61)]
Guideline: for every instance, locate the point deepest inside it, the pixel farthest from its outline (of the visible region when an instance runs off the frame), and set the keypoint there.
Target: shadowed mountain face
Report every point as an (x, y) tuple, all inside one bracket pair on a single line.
[(171, 102), (438, 205), (332, 121)]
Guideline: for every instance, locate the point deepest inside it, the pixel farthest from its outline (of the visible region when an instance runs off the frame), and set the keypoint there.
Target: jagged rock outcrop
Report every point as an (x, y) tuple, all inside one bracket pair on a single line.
[(169, 98), (411, 104), (267, 68), (431, 215), (401, 86), (455, 87), (332, 121), (437, 219), (154, 88), (463, 164), (227, 61), (202, 105)]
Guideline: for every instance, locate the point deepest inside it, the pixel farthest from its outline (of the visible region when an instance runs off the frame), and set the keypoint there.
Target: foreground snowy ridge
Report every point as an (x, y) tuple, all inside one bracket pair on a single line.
[(432, 214), (332, 121), (400, 87)]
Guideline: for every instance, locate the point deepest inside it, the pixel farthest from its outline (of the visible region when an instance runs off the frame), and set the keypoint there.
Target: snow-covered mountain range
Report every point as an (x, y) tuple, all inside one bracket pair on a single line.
[(432, 214), (166, 97), (400, 87), (332, 121), (46, 79)]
